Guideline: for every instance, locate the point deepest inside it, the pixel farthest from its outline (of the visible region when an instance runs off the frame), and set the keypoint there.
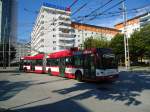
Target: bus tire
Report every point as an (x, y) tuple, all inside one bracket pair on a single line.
[(49, 71), (78, 75), (25, 69)]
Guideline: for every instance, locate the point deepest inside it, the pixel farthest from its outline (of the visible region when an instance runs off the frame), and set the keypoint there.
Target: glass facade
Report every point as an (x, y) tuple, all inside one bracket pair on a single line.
[(7, 20)]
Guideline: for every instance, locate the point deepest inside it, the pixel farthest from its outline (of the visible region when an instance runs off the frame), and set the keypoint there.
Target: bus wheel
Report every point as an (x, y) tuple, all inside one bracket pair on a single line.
[(49, 71), (25, 69), (79, 76)]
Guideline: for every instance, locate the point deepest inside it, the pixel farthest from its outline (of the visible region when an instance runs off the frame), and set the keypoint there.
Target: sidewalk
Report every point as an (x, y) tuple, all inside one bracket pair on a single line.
[(135, 68), (9, 69)]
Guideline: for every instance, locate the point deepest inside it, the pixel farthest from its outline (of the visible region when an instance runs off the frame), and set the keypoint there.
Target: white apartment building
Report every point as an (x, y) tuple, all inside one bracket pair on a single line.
[(84, 31), (134, 24), (52, 30), (145, 19)]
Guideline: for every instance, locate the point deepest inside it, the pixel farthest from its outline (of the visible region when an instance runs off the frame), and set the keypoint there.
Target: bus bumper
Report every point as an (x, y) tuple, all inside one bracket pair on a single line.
[(107, 78)]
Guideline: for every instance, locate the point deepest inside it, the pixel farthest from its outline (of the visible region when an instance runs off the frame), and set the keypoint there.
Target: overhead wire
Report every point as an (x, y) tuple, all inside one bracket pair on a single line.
[(83, 6), (95, 15)]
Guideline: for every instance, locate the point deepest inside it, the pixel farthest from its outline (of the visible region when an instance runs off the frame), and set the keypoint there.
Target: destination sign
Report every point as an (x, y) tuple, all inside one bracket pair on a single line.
[(109, 56)]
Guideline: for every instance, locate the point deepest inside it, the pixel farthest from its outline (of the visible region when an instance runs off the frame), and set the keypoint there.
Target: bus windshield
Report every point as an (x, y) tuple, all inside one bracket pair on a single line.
[(109, 61)]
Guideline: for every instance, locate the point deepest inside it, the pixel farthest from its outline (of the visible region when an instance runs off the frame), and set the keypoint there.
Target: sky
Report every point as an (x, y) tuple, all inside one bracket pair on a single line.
[(28, 11)]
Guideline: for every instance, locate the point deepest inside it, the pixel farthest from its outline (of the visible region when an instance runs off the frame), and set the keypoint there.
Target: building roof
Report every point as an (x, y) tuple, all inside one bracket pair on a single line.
[(136, 17), (56, 6), (94, 26)]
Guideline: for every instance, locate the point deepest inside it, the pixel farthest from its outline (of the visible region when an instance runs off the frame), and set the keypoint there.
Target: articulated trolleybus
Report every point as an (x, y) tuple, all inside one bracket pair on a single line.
[(90, 64), (32, 63)]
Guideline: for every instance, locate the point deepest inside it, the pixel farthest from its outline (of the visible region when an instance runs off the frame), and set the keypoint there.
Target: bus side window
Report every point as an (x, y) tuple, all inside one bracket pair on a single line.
[(54, 62), (39, 62), (69, 61), (77, 61), (48, 62), (61, 61)]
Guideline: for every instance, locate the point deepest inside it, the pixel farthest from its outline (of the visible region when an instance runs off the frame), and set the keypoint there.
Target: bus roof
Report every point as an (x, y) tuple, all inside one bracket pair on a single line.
[(67, 53), (38, 56), (60, 54)]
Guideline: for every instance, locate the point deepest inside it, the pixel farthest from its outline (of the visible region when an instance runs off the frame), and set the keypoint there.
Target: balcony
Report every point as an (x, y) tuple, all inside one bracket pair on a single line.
[(65, 30), (66, 44), (67, 35), (66, 39)]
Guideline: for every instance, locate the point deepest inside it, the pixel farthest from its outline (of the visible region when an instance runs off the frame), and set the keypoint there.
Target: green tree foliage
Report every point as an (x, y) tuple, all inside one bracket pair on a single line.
[(139, 43), (117, 44), (12, 53), (95, 43)]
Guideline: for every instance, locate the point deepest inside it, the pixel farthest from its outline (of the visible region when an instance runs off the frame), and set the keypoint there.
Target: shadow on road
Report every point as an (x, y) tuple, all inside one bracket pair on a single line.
[(9, 89), (126, 89), (66, 105)]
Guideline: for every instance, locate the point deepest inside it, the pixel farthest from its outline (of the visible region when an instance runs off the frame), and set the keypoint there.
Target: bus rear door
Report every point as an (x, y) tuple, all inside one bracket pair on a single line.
[(62, 67), (33, 62)]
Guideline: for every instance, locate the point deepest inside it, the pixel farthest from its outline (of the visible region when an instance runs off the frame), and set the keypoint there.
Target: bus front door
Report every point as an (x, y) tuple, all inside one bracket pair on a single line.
[(89, 67)]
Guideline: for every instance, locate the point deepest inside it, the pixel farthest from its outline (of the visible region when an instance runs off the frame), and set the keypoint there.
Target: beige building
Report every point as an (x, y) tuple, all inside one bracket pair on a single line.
[(83, 31), (134, 24)]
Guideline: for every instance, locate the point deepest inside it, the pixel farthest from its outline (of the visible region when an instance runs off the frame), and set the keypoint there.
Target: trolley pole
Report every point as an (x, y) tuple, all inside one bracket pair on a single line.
[(126, 45)]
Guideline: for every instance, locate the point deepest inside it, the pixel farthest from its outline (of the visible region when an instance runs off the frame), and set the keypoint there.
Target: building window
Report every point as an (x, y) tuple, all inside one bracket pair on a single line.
[(42, 22), (74, 35), (42, 45), (42, 16), (85, 34), (53, 24), (42, 28), (78, 40), (42, 40), (54, 48), (78, 35), (54, 42), (54, 35), (54, 29)]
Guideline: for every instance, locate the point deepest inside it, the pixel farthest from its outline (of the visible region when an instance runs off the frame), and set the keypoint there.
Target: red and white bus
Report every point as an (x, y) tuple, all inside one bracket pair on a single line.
[(90, 64), (32, 63)]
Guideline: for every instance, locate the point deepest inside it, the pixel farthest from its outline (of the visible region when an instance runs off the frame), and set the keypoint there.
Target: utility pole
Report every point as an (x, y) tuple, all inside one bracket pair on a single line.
[(82, 45), (4, 49), (126, 45), (9, 51), (4, 38)]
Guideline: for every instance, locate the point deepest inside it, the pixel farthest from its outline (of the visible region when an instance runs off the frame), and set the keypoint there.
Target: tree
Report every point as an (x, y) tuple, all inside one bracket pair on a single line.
[(139, 43), (6, 53), (95, 43), (117, 44)]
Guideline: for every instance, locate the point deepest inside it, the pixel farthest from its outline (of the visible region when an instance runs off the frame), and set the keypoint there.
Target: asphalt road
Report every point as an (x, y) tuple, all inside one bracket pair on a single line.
[(28, 92)]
